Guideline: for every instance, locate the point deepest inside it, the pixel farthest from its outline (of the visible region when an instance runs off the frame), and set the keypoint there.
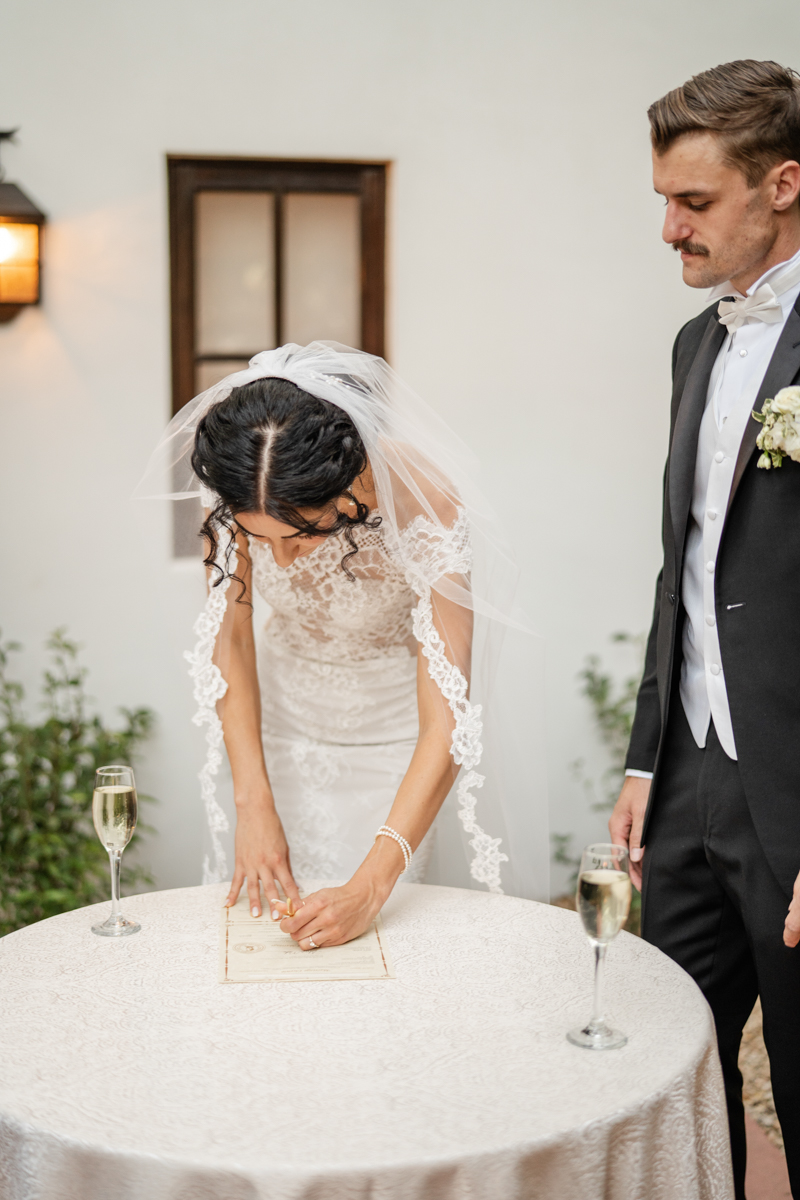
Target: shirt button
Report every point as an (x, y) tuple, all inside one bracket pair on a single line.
[(718, 457), (742, 354), (710, 620), (709, 567), (715, 669), (712, 514)]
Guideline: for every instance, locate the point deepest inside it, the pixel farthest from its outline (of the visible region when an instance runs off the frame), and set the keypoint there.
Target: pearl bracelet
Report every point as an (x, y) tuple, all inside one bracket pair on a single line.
[(387, 831)]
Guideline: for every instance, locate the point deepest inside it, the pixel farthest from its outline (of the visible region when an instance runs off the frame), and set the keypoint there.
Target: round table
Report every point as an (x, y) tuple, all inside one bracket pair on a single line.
[(130, 1073)]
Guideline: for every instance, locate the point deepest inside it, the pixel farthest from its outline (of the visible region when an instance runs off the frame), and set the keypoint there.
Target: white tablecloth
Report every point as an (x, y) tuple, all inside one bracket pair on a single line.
[(127, 1072)]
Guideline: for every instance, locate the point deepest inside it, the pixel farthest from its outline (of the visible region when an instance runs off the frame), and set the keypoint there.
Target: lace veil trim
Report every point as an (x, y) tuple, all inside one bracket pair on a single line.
[(439, 551), (209, 687)]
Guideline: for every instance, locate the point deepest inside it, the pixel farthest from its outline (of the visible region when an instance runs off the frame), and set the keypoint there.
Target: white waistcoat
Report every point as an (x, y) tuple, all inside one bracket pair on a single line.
[(702, 678), (732, 389)]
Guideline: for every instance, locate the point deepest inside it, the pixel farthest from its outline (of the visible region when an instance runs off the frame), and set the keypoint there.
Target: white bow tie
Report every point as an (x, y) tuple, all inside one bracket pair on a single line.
[(763, 305)]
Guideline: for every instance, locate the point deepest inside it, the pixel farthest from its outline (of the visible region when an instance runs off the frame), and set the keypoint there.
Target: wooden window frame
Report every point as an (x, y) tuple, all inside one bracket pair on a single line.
[(189, 174)]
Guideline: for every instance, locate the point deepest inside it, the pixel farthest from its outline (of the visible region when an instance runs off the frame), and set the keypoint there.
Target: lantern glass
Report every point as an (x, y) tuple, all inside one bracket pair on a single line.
[(19, 263)]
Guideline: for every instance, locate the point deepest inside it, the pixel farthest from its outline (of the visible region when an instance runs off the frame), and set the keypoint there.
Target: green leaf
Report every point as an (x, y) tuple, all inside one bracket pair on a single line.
[(50, 858)]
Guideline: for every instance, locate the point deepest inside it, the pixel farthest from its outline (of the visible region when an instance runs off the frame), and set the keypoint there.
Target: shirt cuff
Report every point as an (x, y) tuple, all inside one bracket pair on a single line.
[(639, 774)]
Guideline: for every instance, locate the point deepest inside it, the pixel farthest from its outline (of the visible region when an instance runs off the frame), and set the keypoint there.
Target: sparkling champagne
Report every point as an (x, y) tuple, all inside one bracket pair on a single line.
[(604, 900), (114, 815)]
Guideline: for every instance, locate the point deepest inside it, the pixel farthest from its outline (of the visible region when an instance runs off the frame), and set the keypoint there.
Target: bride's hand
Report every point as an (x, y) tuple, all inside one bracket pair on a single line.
[(262, 854), (335, 915)]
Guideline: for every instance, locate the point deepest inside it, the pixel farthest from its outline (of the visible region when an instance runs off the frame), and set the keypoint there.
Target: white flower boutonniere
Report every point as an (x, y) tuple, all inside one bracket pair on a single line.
[(780, 436)]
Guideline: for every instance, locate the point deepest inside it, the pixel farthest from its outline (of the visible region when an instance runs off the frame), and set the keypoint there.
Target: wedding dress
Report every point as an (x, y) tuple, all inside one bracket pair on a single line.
[(337, 664), (338, 657)]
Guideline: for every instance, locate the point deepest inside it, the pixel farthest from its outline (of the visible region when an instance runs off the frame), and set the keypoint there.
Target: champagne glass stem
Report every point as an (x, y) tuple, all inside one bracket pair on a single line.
[(115, 863), (599, 969)]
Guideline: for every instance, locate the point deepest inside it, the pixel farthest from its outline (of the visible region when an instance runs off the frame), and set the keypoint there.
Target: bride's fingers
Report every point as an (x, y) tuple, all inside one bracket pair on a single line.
[(254, 895), (286, 909), (313, 941), (305, 920), (290, 887), (271, 893), (236, 887)]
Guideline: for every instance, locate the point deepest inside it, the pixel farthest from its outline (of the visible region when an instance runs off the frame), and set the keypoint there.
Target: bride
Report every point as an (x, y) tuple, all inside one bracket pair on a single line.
[(332, 492)]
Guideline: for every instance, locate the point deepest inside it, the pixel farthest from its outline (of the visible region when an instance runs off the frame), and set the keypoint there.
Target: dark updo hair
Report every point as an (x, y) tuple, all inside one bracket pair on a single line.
[(271, 447)]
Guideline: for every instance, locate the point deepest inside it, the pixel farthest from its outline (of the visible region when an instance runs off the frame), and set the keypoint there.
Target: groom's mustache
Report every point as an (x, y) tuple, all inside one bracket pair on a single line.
[(688, 247)]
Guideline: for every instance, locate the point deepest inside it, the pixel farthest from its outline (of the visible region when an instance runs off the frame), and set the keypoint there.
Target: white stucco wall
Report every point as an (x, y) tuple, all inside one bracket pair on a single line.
[(531, 299)]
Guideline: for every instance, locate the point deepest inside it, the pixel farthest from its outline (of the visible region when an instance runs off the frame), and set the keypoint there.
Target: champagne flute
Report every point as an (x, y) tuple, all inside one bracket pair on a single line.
[(604, 900), (114, 813)]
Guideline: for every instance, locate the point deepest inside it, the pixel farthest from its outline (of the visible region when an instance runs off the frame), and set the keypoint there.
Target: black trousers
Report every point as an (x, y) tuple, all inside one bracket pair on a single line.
[(711, 902)]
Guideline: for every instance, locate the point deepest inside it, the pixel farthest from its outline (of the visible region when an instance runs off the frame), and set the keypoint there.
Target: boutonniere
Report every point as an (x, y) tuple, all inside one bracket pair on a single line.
[(780, 436)]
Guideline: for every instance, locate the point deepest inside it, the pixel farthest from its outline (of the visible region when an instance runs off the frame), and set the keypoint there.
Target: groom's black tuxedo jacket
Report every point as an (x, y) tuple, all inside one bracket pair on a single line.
[(757, 599)]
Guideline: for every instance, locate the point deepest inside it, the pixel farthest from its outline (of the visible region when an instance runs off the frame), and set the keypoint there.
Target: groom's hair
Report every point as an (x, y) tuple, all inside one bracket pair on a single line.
[(754, 108)]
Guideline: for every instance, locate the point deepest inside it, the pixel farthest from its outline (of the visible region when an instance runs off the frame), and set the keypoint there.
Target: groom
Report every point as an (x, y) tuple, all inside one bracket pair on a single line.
[(711, 801)]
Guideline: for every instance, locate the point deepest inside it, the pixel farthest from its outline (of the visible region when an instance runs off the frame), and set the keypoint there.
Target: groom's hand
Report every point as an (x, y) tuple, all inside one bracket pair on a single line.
[(627, 819), (791, 928)]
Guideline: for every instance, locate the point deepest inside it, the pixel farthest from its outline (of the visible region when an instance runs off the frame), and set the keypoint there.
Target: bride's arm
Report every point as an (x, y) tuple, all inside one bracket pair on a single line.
[(261, 849), (336, 915)]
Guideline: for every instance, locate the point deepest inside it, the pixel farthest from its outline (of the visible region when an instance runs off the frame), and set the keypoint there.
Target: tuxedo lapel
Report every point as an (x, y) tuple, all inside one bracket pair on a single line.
[(683, 452), (783, 367)]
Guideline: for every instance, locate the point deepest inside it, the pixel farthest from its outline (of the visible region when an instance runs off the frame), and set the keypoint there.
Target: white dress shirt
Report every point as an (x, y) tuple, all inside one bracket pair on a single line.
[(732, 389)]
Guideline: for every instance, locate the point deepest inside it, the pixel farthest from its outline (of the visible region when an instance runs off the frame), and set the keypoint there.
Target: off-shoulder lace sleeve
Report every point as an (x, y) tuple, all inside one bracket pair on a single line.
[(209, 687), (431, 551)]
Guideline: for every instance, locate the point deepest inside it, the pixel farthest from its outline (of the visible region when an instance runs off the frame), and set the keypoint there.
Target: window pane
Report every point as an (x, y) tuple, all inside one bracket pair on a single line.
[(209, 373), (322, 268), (234, 262)]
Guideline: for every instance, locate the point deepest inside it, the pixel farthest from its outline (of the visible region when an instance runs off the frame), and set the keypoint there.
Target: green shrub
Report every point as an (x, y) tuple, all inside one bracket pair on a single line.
[(50, 858)]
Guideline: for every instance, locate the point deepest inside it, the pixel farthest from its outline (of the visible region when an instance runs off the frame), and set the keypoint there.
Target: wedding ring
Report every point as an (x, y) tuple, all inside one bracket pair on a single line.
[(313, 944)]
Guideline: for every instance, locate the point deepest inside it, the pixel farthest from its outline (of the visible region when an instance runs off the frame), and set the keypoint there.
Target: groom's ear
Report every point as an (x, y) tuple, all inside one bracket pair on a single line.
[(784, 180)]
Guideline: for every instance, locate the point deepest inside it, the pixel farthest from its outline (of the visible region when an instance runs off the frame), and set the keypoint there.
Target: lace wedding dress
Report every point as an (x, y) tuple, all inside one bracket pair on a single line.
[(337, 664)]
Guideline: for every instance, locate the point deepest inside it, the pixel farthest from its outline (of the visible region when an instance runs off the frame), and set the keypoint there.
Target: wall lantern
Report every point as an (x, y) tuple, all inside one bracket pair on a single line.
[(20, 246)]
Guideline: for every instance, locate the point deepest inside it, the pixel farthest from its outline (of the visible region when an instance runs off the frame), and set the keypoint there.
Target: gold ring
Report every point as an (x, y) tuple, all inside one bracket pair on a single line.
[(313, 944)]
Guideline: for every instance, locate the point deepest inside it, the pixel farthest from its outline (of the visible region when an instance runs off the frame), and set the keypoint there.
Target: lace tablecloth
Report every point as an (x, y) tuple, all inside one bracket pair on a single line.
[(129, 1073)]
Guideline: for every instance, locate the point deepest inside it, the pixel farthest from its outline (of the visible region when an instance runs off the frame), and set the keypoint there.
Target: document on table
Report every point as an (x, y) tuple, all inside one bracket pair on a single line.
[(253, 949)]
